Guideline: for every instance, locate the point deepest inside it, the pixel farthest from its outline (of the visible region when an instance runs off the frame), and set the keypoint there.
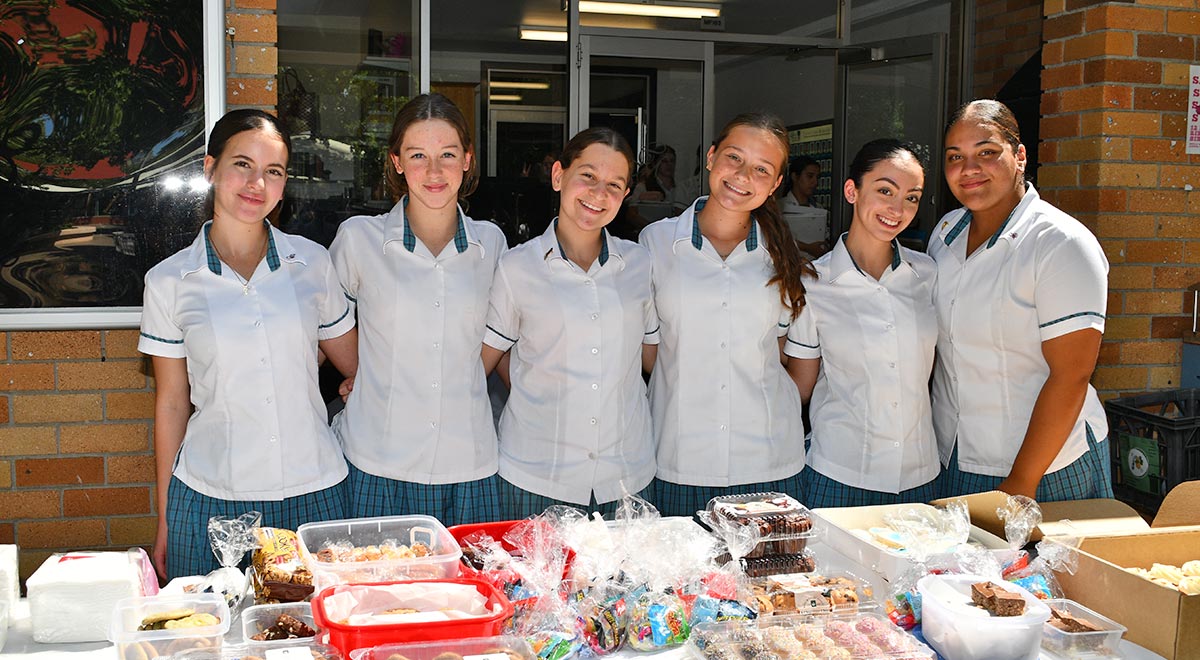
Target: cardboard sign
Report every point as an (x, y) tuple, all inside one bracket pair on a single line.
[(1193, 125)]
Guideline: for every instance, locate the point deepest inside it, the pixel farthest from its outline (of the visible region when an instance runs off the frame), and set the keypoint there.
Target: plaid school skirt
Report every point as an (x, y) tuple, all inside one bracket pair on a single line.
[(452, 504)]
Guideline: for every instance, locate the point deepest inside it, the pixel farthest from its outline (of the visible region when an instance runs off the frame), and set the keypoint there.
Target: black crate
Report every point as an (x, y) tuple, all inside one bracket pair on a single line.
[(1155, 443)]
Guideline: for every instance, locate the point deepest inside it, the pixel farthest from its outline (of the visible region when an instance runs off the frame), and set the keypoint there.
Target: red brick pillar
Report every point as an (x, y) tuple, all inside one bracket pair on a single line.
[(251, 55), (1113, 121)]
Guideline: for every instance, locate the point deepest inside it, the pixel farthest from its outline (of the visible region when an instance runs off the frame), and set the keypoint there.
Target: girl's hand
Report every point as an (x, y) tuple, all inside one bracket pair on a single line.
[(346, 388), (158, 555)]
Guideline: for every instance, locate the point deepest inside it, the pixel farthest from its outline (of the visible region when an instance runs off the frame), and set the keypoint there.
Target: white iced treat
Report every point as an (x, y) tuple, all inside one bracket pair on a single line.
[(72, 596)]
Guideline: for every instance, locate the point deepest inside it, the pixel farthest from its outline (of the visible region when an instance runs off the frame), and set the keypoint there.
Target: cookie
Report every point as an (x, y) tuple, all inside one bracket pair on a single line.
[(196, 620)]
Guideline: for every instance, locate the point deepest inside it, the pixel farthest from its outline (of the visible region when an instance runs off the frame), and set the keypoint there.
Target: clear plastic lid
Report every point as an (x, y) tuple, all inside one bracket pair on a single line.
[(245, 652), (753, 505), (814, 594), (504, 647), (865, 636), (1079, 632)]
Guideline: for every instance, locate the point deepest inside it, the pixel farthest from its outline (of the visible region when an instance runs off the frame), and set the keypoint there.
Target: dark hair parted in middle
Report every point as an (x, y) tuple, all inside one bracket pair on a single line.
[(422, 108), (598, 135), (876, 151), (992, 113), (789, 263)]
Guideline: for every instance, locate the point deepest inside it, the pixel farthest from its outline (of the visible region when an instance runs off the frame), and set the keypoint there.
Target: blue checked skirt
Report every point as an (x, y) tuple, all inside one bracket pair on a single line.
[(821, 492), (188, 511), (1090, 476), (679, 500), (452, 504), (517, 503)]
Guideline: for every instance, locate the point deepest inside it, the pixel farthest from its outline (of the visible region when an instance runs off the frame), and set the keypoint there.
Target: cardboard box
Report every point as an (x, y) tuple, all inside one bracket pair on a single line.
[(1159, 618), (1074, 518)]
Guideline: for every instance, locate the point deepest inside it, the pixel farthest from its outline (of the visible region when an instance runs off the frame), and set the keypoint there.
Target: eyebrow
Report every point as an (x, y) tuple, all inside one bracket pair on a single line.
[(897, 186), (445, 146), (977, 144), (245, 157)]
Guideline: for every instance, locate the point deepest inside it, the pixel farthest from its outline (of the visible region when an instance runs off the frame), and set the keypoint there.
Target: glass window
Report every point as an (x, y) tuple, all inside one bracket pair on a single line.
[(101, 136), (345, 69)]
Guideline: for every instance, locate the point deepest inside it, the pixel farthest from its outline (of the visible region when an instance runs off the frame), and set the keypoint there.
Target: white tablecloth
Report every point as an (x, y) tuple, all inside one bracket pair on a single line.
[(20, 644)]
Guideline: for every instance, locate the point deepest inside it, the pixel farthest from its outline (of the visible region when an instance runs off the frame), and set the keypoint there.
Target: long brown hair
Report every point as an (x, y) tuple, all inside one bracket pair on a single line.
[(789, 264), (421, 108)]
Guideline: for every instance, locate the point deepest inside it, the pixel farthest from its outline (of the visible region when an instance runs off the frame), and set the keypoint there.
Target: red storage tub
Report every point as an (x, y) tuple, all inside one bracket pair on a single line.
[(347, 638)]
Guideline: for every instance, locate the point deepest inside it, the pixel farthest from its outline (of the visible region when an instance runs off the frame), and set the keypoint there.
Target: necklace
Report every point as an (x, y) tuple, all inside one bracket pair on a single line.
[(243, 281)]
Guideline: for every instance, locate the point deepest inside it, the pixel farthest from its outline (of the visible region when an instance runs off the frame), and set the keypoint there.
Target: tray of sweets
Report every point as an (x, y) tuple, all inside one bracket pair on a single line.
[(864, 636), (811, 593)]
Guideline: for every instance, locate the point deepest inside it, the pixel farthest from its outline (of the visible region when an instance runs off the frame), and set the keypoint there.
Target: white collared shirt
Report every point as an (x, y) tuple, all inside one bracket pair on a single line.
[(808, 223), (871, 422), (577, 419), (419, 411), (259, 431), (725, 411), (1041, 276)]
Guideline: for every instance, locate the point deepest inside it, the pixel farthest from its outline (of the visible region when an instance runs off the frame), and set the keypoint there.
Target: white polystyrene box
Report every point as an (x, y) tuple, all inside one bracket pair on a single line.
[(72, 595)]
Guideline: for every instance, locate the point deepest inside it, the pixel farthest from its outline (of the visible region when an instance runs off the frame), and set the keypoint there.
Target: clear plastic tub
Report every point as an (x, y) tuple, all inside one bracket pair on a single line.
[(259, 618), (958, 629), (781, 523), (4, 608), (865, 636), (813, 594), (368, 537), (504, 647), (134, 644), (801, 562), (1061, 644), (308, 651)]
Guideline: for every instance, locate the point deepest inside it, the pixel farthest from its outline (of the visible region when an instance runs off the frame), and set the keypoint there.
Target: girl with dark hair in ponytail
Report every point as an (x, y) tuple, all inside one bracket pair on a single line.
[(863, 346), (727, 287)]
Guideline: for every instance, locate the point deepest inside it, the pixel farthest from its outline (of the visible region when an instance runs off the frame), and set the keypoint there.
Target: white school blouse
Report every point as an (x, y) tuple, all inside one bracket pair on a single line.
[(577, 420), (1042, 275), (419, 411), (872, 426), (725, 411), (259, 429)]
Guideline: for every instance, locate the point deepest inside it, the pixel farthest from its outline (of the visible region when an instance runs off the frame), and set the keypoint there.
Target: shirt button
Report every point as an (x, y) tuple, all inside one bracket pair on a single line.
[(433, 425), (590, 282), (895, 404), (895, 444), (724, 305), (879, 288), (268, 399), (435, 385), (595, 316), (436, 345), (258, 323), (437, 266), (595, 386), (722, 388), (724, 266), (262, 360), (892, 365), (595, 351), (592, 455), (592, 421), (723, 427), (722, 344), (273, 439), (889, 326), (437, 303)]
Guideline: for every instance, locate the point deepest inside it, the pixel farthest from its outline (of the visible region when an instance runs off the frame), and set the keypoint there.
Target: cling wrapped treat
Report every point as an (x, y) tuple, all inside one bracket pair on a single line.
[(1021, 515), (759, 524), (279, 574), (231, 539), (656, 621)]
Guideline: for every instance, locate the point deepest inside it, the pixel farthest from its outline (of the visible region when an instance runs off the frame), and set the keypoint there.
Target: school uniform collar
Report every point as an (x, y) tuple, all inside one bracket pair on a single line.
[(204, 255), (842, 262), (396, 228), (1010, 230), (551, 248), (688, 228)]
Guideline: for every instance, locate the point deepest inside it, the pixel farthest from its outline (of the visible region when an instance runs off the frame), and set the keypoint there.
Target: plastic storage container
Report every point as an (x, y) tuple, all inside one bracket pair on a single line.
[(134, 644), (781, 522), (1066, 645), (813, 594), (347, 638), (504, 647), (858, 637), (4, 614), (243, 652), (367, 536), (1157, 444), (957, 629), (261, 617)]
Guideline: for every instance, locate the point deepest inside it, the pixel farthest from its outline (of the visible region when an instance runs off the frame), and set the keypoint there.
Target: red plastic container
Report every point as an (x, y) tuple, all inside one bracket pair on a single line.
[(347, 638), (496, 530)]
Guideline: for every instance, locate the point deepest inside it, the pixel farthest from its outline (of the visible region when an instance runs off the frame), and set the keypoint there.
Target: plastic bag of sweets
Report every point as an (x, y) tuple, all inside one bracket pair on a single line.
[(279, 574), (231, 539)]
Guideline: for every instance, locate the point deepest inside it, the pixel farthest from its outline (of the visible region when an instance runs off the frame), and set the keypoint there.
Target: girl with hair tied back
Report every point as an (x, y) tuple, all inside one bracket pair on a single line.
[(234, 325), (727, 287)]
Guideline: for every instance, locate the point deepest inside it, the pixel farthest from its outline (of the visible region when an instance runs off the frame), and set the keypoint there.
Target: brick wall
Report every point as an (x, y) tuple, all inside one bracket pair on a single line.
[(76, 407), (1007, 34), (1113, 122)]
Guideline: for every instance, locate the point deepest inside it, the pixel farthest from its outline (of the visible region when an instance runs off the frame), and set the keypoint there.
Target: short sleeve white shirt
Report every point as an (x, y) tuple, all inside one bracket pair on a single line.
[(419, 411), (259, 429), (577, 420), (725, 411), (871, 422), (807, 223), (1041, 276)]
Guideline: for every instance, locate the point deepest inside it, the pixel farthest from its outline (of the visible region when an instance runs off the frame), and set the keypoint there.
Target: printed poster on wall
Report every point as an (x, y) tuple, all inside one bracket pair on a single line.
[(1193, 129)]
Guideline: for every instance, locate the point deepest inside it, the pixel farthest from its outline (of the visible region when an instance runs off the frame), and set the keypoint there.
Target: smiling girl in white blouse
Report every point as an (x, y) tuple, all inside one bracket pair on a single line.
[(574, 306), (233, 323)]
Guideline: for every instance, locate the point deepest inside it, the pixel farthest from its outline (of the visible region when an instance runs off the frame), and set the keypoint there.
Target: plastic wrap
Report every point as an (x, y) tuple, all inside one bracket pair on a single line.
[(279, 574), (1037, 574), (903, 604), (231, 539), (1021, 515), (923, 532)]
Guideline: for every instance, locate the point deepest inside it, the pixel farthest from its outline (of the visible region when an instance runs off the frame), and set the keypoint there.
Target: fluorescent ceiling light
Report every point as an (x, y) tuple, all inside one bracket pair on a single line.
[(505, 97), (542, 34), (658, 10), (508, 84)]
